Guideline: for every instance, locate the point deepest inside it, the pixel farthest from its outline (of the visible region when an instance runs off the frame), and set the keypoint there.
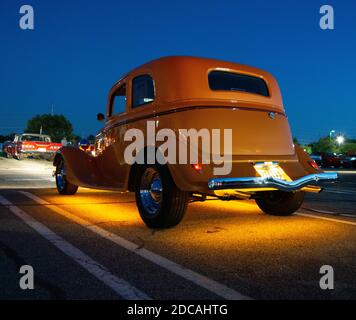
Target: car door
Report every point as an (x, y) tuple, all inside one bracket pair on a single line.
[(108, 144)]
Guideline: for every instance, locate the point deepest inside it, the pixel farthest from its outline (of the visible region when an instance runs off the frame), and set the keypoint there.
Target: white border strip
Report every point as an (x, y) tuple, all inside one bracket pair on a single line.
[(202, 281), (120, 286)]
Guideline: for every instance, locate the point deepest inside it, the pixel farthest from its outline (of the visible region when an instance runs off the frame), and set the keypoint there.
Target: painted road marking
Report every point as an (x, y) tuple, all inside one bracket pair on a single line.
[(349, 215), (322, 218), (28, 179), (201, 280), (326, 218), (120, 286), (346, 172)]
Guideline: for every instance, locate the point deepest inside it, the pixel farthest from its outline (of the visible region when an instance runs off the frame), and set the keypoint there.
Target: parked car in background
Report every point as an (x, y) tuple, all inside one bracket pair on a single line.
[(4, 146), (334, 160), (330, 160), (345, 161), (353, 160), (31, 144)]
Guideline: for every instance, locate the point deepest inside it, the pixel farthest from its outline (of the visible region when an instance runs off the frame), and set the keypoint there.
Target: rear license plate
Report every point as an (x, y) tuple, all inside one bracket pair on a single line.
[(42, 149), (271, 170)]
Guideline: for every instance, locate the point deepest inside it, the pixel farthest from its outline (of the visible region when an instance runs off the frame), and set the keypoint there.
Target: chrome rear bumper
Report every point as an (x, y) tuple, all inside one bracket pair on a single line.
[(317, 179)]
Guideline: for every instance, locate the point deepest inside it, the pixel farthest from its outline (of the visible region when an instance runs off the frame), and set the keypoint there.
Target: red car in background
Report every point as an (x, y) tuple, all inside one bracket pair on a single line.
[(31, 144), (329, 159), (334, 160)]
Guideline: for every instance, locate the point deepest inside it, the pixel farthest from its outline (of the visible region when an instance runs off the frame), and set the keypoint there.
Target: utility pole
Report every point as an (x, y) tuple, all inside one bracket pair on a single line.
[(52, 110)]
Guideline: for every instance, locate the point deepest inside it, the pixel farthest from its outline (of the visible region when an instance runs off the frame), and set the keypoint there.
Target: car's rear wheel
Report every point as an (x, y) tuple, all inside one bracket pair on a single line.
[(160, 202), (63, 185), (18, 156), (280, 203)]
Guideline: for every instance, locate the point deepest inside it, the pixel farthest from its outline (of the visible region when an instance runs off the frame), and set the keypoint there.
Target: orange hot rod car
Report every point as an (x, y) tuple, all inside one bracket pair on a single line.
[(189, 92)]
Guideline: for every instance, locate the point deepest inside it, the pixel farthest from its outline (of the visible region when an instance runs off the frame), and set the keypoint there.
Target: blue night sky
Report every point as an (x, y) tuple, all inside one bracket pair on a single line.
[(80, 48)]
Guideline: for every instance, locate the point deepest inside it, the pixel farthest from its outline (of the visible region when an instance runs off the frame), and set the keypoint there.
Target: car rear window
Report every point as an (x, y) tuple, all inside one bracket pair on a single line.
[(228, 81), (34, 138)]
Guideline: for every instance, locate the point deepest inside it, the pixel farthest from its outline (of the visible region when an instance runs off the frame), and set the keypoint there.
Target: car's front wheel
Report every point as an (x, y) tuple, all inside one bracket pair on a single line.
[(160, 202), (280, 203), (63, 185)]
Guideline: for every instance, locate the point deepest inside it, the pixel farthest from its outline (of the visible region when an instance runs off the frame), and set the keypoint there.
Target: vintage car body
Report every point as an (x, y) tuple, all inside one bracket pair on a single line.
[(31, 144), (184, 96), (87, 146)]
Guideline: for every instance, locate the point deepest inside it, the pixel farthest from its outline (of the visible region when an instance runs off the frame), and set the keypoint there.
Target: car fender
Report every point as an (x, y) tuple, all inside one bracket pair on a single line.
[(79, 166), (305, 160)]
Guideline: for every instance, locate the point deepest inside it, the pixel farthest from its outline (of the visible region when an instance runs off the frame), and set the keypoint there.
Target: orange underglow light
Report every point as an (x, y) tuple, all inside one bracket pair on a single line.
[(100, 206)]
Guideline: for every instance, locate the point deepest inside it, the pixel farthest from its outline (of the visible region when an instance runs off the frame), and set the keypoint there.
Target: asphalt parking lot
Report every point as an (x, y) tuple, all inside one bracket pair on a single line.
[(94, 245)]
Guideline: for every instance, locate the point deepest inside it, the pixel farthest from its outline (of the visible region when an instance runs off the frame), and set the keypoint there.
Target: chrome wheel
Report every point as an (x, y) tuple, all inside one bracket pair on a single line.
[(63, 185), (60, 176), (160, 202), (151, 191)]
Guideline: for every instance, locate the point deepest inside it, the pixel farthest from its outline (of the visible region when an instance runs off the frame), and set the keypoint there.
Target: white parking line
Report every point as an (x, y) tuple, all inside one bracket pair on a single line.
[(201, 280), (120, 286), (322, 218), (346, 172), (325, 218), (28, 179)]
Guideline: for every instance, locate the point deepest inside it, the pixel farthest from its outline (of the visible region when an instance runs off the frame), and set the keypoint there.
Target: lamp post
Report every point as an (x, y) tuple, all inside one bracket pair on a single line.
[(330, 134)]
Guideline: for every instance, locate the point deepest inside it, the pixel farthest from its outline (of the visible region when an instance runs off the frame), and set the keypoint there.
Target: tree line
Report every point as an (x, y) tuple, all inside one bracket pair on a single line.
[(56, 126), (327, 144)]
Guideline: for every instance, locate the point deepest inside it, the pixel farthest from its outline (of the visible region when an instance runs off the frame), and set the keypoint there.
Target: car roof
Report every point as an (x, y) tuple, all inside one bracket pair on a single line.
[(34, 134), (189, 77)]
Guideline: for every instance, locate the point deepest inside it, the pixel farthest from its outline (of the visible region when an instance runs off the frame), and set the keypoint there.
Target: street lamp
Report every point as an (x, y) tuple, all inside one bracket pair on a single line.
[(340, 140), (330, 134)]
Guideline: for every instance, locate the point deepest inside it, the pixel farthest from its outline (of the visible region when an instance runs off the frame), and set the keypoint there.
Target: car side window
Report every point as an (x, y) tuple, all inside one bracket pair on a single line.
[(118, 102), (142, 90)]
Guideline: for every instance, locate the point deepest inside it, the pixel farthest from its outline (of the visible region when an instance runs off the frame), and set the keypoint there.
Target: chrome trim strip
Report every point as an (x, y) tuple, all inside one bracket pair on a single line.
[(316, 179), (153, 114)]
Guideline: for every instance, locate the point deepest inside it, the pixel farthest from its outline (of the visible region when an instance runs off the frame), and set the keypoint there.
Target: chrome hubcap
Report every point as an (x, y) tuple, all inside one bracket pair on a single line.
[(60, 176), (151, 191)]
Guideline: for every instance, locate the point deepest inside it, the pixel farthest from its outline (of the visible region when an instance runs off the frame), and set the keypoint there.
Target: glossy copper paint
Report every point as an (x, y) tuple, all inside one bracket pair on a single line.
[(183, 100)]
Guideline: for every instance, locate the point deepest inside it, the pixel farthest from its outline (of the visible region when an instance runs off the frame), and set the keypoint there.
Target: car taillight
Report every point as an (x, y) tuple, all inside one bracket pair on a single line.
[(314, 164), (197, 167)]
